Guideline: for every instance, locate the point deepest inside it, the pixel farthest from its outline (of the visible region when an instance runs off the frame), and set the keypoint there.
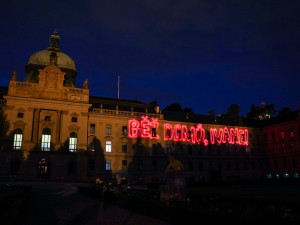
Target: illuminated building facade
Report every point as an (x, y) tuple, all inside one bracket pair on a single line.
[(59, 131)]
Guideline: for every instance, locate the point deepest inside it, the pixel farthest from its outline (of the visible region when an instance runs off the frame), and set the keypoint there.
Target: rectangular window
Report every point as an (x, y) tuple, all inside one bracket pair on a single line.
[(124, 147), (153, 132), (20, 115), (47, 118), (46, 139), (124, 165), (107, 165), (92, 128), (108, 146), (124, 130), (108, 129), (17, 141), (74, 119), (73, 144)]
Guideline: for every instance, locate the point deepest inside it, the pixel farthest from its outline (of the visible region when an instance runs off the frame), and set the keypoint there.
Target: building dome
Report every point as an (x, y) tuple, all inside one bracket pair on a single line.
[(41, 59)]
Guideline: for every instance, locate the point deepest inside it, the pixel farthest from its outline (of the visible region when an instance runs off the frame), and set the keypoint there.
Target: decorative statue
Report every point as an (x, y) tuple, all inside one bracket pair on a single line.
[(14, 76), (85, 84)]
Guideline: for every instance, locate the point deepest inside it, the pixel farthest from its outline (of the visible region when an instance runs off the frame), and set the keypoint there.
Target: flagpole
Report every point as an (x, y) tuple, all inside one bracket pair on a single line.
[(118, 87)]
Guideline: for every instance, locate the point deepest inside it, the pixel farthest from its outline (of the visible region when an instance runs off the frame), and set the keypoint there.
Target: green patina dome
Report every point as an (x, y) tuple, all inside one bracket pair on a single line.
[(41, 59)]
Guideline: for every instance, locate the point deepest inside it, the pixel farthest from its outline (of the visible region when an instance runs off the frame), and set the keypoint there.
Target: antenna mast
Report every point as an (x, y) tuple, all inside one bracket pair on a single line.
[(118, 87)]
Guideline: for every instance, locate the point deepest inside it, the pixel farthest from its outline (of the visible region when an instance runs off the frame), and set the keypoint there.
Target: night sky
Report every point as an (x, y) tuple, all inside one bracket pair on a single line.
[(202, 54)]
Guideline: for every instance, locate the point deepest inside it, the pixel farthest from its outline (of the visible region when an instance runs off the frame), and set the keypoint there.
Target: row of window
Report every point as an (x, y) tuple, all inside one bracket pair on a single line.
[(108, 129), (46, 140)]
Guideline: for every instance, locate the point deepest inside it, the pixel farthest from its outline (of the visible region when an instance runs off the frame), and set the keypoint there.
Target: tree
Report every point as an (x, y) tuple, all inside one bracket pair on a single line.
[(4, 127), (233, 114), (212, 115), (285, 111), (174, 107)]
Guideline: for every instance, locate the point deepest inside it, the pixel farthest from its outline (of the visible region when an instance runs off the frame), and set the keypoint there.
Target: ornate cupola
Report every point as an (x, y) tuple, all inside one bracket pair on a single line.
[(41, 59)]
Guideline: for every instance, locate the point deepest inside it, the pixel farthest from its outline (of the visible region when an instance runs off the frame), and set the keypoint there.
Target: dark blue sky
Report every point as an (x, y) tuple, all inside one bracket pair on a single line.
[(202, 54)]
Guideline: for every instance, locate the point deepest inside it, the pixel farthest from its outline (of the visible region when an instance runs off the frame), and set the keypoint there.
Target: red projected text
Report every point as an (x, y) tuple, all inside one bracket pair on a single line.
[(148, 128)]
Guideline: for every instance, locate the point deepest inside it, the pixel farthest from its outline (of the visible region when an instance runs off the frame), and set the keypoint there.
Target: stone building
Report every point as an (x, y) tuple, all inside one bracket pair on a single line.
[(58, 131)]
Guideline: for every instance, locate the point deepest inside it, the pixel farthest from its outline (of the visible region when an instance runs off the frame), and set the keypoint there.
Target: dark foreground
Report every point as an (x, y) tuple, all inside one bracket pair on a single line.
[(61, 203)]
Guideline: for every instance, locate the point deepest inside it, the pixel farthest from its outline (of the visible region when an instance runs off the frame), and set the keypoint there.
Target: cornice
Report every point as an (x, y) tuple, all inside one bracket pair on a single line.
[(47, 101)]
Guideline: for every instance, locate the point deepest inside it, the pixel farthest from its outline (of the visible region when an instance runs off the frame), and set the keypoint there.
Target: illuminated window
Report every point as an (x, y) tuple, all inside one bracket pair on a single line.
[(296, 175), (46, 138), (283, 148), (74, 119), (108, 146), (18, 139), (124, 130), (124, 165), (92, 128), (108, 129), (73, 142), (107, 164), (277, 176), (269, 176), (124, 147), (20, 115), (286, 175)]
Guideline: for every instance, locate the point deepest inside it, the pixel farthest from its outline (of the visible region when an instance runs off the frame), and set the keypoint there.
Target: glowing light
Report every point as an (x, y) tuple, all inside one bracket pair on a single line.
[(193, 134), (133, 128)]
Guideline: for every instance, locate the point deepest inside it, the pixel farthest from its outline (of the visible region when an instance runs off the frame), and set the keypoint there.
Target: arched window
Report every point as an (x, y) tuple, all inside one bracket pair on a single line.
[(73, 142), (18, 139), (46, 138)]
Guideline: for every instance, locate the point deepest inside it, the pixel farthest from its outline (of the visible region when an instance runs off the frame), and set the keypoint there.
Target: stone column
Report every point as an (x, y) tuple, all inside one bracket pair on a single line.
[(58, 125), (35, 125)]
